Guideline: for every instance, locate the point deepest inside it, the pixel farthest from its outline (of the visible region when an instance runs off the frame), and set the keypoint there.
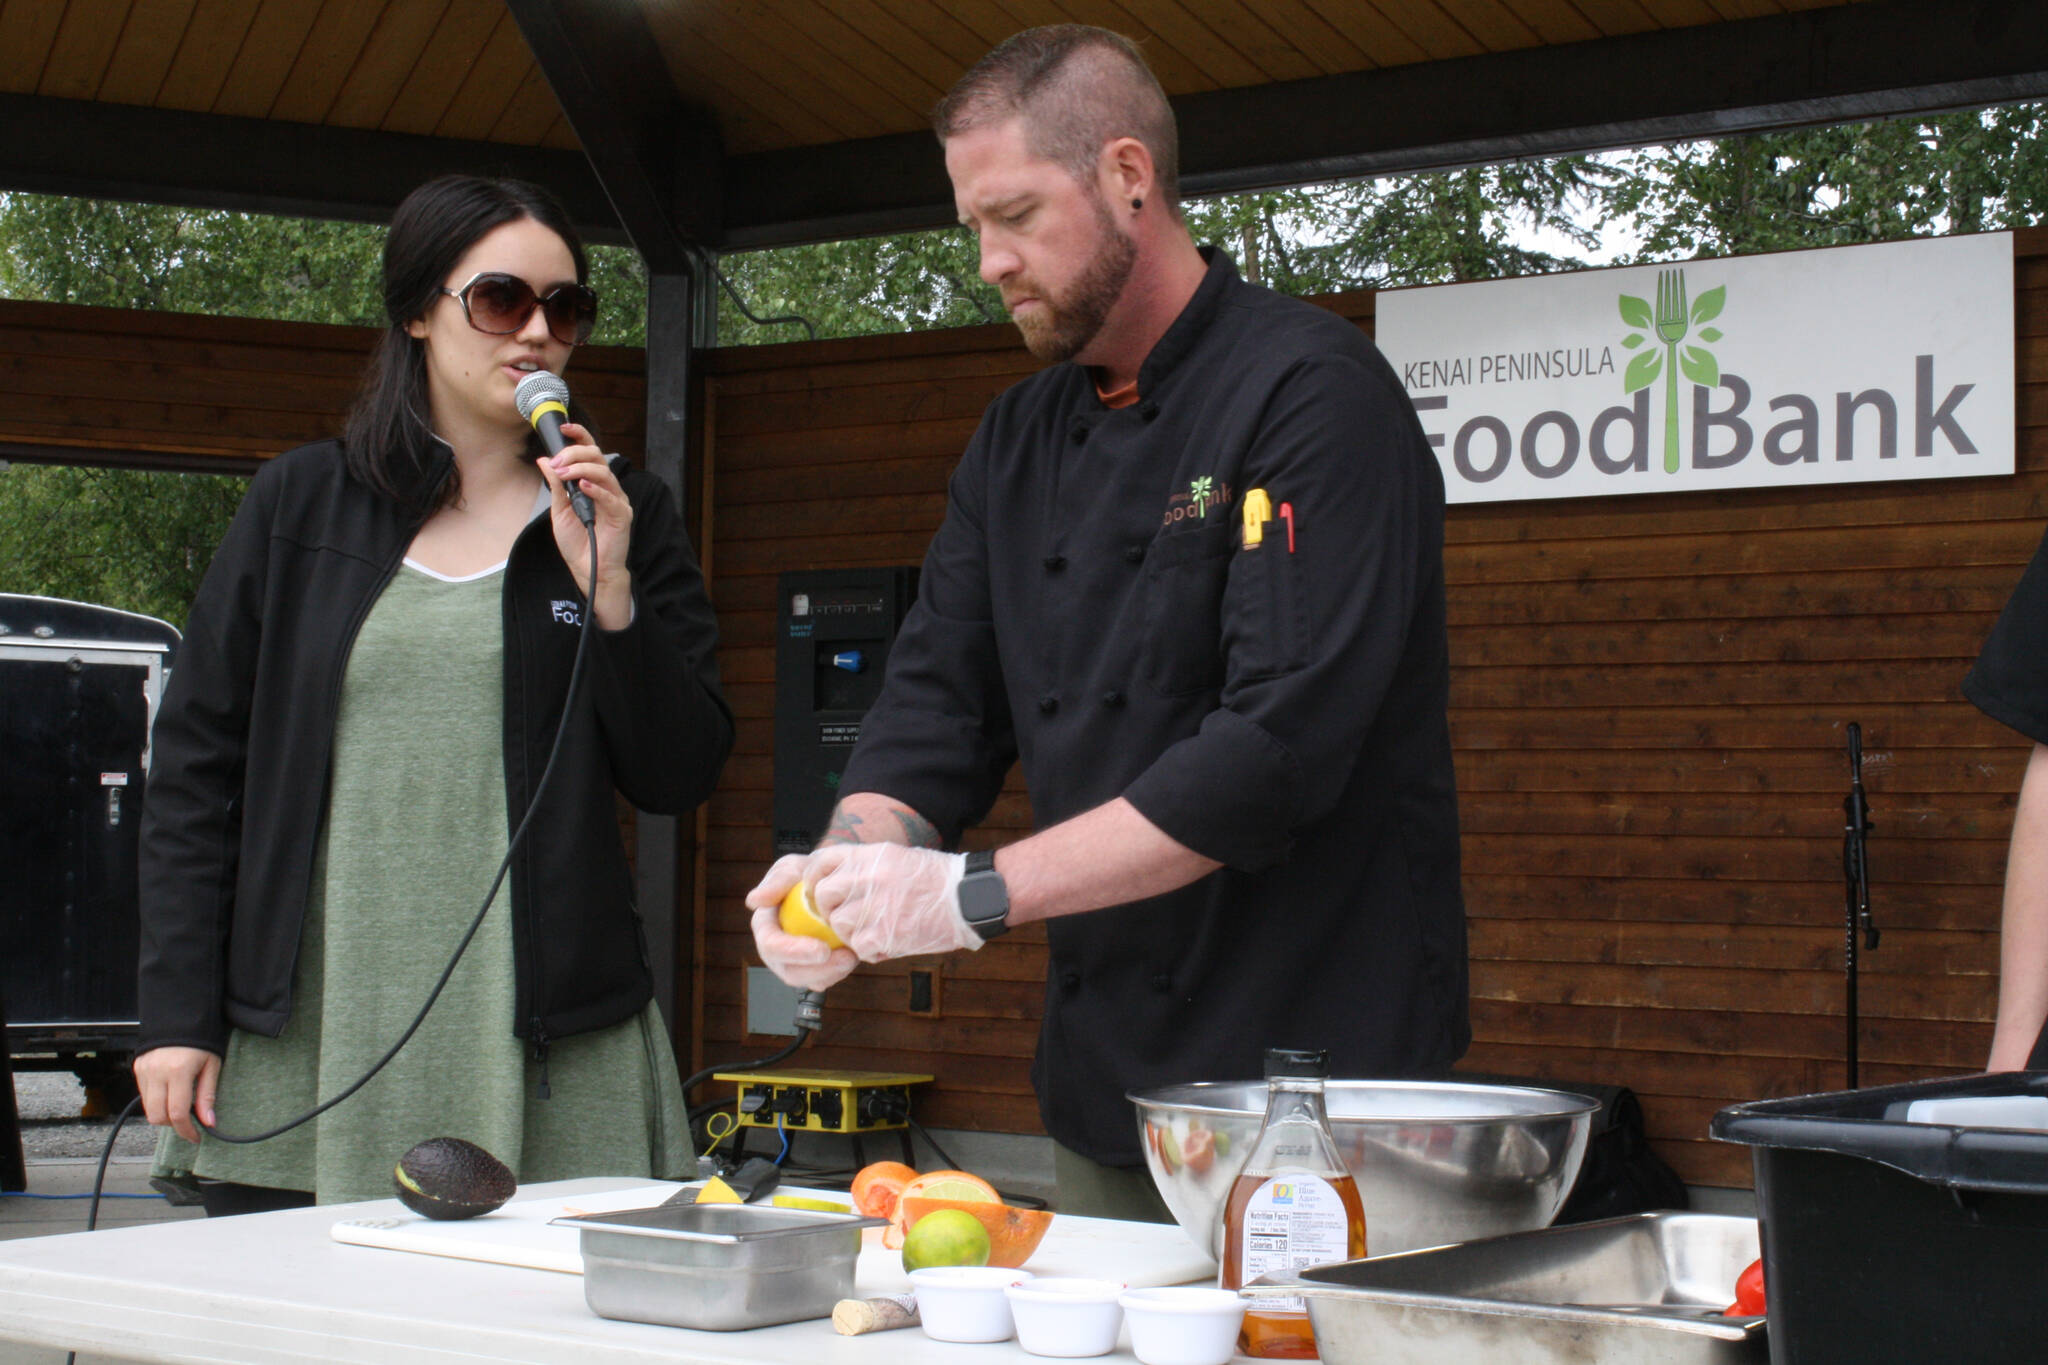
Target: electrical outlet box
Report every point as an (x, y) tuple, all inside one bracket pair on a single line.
[(771, 1003), (823, 1101)]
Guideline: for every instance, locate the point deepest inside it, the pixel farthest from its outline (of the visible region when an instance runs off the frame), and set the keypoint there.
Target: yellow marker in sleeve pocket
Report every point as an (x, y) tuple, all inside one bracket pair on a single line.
[(1258, 510)]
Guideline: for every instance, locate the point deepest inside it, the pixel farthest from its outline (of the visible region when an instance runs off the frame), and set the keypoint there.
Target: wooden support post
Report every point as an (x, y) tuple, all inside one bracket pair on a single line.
[(680, 320)]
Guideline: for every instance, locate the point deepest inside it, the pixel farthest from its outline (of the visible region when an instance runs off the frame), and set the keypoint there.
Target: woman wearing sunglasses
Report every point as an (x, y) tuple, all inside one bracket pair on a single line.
[(374, 671)]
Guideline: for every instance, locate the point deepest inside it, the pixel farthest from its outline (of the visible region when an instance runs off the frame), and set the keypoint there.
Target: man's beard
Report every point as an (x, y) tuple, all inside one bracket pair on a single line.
[(1061, 327)]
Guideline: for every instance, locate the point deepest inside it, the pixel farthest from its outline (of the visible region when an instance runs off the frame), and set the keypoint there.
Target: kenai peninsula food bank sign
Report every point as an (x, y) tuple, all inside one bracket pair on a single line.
[(1843, 365)]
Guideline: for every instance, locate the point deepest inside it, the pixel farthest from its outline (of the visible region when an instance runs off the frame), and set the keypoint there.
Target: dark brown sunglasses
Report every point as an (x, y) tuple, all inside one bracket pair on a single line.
[(500, 304)]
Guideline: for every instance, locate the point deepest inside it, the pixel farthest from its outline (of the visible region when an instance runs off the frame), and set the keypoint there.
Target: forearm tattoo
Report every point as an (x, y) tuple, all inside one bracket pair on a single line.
[(846, 827), (918, 832)]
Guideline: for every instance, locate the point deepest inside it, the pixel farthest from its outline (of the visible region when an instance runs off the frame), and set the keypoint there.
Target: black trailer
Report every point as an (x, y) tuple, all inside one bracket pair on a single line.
[(79, 688)]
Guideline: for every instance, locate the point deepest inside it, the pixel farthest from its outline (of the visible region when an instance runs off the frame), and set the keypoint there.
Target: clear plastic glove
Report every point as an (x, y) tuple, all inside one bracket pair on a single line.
[(809, 964), (887, 900)]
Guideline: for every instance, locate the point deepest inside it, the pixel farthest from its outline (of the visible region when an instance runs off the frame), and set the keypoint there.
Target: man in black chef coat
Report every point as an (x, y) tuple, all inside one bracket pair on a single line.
[(1192, 575)]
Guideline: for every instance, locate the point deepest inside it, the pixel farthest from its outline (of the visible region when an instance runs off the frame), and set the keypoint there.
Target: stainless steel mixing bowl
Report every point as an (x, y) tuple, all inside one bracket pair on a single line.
[(1435, 1161)]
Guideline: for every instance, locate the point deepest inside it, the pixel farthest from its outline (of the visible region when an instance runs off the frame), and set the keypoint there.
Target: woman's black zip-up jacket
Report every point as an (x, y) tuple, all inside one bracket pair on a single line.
[(240, 753)]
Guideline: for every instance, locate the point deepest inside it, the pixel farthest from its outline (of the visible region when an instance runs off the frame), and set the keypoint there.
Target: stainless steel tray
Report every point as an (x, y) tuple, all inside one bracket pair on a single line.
[(1643, 1290), (717, 1267)]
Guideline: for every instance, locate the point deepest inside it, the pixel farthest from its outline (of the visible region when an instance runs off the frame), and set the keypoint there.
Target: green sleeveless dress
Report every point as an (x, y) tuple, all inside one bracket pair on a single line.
[(416, 827)]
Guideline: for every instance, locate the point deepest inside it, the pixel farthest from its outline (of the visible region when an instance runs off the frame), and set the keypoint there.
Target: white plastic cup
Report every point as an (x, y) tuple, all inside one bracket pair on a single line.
[(1184, 1325), (965, 1302), (1066, 1317)]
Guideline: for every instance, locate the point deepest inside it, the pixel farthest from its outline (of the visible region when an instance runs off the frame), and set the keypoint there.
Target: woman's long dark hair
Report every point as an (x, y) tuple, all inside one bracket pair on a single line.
[(387, 441)]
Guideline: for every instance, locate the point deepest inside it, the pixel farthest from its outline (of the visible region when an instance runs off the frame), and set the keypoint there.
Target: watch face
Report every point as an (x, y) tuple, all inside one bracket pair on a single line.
[(984, 903)]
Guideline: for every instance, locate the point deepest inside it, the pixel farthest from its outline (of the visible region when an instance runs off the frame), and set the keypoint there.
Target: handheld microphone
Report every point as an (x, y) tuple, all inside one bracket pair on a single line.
[(543, 400)]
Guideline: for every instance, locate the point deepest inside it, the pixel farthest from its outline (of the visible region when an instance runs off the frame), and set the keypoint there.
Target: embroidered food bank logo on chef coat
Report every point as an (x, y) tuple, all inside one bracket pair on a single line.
[(568, 613), (1203, 494), (1860, 364)]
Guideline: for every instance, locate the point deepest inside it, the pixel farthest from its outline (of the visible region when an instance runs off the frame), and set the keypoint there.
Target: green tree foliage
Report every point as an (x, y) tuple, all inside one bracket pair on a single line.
[(1427, 229), (1406, 230), (113, 255), (116, 255), (910, 281), (1864, 182), (119, 537)]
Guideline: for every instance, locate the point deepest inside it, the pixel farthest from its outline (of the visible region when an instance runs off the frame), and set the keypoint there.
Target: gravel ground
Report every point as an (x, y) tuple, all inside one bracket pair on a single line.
[(49, 1102)]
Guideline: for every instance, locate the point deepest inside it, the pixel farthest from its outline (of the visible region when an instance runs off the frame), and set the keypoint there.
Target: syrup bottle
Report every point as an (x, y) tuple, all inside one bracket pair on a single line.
[(1294, 1205)]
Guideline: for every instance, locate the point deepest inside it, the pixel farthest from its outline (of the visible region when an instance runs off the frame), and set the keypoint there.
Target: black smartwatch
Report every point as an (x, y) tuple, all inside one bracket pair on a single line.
[(984, 900)]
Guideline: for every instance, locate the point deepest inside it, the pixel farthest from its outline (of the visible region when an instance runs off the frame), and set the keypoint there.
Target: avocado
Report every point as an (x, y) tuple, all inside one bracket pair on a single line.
[(446, 1177)]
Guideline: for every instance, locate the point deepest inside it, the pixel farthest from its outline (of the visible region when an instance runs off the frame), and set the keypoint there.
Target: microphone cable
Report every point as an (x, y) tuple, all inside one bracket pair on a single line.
[(477, 922)]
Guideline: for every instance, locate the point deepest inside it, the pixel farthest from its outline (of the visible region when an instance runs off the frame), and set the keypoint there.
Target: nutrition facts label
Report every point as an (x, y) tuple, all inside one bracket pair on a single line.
[(1291, 1221)]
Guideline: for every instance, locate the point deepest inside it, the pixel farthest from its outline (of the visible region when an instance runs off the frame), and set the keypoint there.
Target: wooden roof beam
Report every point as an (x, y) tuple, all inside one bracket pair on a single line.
[(165, 156), (660, 161)]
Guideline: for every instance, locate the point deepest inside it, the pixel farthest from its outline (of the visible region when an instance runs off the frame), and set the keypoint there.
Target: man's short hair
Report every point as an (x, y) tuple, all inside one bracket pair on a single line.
[(1077, 88)]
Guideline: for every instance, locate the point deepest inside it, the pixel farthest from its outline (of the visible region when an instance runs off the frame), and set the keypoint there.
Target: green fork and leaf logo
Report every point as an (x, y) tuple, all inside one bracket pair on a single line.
[(1672, 321)]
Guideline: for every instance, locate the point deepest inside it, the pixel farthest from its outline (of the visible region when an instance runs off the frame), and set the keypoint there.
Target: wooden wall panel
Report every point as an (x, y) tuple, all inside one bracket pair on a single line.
[(836, 454), (112, 386), (1649, 701)]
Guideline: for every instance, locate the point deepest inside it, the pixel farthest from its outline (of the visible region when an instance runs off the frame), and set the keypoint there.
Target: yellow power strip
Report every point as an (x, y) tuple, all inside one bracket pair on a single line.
[(823, 1101)]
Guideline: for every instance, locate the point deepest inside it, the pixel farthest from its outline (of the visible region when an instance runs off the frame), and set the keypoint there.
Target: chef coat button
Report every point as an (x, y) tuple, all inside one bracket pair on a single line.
[(1134, 553), (1054, 563), (1078, 435), (1148, 409), (1070, 980), (1112, 698), (1048, 704), (1162, 983)]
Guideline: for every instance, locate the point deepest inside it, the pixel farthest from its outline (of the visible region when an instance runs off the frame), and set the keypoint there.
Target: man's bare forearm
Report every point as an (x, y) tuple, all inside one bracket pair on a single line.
[(872, 818), (1107, 856)]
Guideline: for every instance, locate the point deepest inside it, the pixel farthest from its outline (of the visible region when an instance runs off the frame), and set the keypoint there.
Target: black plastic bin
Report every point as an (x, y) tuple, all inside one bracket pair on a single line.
[(1886, 1240)]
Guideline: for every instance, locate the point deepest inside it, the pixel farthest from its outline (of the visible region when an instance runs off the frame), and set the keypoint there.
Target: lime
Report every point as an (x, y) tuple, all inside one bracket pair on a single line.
[(946, 1237)]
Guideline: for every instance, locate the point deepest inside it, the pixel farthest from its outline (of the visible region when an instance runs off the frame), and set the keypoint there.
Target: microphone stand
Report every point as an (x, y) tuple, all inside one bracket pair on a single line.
[(1856, 874)]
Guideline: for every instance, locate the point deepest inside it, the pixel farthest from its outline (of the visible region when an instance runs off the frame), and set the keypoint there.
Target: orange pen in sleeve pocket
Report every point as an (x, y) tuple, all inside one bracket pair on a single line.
[(1287, 515)]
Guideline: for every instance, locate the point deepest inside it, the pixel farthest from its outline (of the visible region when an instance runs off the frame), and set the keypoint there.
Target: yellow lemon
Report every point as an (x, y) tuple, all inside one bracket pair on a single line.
[(798, 1201), (946, 1237), (799, 916)]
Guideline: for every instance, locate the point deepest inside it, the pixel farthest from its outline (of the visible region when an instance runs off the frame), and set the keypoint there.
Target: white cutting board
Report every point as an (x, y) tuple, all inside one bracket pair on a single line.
[(1137, 1254)]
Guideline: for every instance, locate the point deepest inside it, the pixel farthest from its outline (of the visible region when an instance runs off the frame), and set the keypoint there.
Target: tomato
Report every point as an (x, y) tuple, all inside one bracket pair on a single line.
[(1198, 1149), (1749, 1293)]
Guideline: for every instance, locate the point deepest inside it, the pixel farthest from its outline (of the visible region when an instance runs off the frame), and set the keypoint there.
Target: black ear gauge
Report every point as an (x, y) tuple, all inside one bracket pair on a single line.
[(1136, 204)]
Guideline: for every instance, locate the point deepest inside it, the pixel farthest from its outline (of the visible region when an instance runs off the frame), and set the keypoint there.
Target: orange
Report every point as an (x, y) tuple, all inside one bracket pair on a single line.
[(879, 1185), (1013, 1233), (959, 1186), (799, 916)]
